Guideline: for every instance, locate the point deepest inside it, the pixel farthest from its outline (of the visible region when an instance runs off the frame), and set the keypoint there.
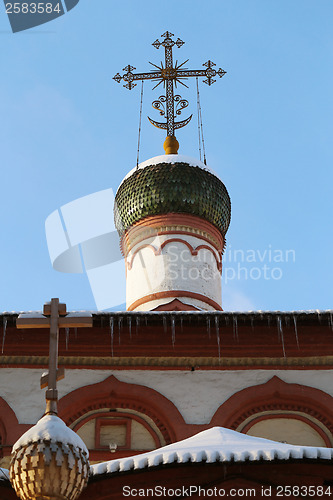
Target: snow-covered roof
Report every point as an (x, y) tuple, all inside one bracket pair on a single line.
[(50, 428), (214, 445), (156, 160), (305, 312)]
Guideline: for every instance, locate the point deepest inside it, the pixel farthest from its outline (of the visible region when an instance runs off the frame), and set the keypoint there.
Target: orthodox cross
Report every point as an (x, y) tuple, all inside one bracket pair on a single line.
[(170, 74), (54, 316)]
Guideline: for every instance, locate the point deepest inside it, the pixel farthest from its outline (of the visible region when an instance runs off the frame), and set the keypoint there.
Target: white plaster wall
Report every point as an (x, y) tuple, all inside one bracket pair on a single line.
[(290, 430), (87, 434), (174, 269), (141, 438), (197, 395)]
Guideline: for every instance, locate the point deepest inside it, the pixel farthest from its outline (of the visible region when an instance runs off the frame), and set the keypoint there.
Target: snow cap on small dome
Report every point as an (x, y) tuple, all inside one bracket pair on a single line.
[(161, 159), (50, 428)]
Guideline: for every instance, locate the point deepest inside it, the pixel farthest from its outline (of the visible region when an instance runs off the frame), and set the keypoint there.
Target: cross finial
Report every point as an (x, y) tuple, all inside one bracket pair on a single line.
[(169, 105), (54, 316), (53, 309)]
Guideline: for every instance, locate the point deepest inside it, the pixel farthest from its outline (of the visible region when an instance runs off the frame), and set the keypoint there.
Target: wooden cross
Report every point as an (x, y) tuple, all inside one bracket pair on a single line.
[(54, 316), (170, 75)]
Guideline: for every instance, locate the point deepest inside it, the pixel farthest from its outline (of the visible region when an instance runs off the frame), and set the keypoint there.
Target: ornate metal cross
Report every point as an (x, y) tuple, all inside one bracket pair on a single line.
[(170, 74)]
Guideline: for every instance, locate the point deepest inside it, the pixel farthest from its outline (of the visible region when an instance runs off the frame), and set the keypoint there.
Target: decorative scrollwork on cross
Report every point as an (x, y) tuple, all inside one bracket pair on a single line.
[(169, 74), (159, 105), (180, 104)]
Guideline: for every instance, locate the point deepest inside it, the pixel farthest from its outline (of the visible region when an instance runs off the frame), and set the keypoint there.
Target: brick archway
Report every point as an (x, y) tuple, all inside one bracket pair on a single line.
[(275, 395), (111, 393), (10, 428)]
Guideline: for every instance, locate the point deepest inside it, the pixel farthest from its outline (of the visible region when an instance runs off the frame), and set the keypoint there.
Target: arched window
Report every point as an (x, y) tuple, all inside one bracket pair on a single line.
[(127, 417), (117, 432), (280, 411)]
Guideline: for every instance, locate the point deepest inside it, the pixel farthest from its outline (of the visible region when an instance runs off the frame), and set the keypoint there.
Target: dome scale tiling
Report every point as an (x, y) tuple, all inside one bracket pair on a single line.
[(175, 186)]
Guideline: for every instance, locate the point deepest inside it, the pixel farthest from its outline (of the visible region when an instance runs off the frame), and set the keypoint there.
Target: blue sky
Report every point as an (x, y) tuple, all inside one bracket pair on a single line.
[(69, 130)]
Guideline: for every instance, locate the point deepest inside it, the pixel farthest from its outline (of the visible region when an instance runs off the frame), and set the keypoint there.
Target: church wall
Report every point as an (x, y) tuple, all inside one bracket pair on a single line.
[(170, 263), (197, 395)]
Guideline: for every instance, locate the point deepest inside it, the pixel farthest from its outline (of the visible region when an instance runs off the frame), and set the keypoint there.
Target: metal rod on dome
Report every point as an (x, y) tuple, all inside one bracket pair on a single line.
[(198, 107), (201, 130), (140, 121), (201, 137)]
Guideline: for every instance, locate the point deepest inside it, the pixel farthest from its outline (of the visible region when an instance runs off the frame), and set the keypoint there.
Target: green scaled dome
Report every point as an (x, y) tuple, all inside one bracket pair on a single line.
[(172, 184)]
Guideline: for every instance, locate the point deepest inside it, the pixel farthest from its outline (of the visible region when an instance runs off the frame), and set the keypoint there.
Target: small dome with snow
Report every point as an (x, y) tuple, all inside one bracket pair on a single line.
[(172, 184), (51, 428), (54, 456)]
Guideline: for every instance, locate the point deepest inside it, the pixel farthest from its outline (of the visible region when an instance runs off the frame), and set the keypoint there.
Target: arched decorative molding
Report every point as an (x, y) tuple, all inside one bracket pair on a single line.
[(193, 251), (272, 396), (111, 393), (10, 428), (175, 305), (171, 294)]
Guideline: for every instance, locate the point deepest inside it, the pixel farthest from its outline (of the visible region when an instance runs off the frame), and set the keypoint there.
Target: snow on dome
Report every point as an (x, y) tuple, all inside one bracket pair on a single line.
[(156, 160), (50, 428), (214, 445)]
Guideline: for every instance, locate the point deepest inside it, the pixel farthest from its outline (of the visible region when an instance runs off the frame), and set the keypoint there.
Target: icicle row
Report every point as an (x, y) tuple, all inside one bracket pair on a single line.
[(281, 336), (295, 328), (217, 327), (111, 334), (173, 330), (4, 326)]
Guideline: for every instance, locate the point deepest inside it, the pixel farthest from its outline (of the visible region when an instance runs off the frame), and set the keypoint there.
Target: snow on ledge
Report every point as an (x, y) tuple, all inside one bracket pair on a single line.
[(214, 445), (156, 160), (50, 428), (39, 315), (91, 313)]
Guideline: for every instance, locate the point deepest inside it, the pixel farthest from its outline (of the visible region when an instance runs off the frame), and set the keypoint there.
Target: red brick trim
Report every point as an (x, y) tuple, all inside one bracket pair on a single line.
[(275, 395), (160, 224), (111, 393), (10, 429), (175, 305), (174, 293), (3, 436)]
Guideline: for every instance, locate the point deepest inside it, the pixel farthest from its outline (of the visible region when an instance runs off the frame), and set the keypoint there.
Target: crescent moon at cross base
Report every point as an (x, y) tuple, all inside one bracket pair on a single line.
[(165, 125)]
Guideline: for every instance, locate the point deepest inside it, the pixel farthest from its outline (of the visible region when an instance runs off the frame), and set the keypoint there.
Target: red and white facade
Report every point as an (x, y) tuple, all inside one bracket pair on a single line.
[(173, 256), (174, 364), (162, 376)]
